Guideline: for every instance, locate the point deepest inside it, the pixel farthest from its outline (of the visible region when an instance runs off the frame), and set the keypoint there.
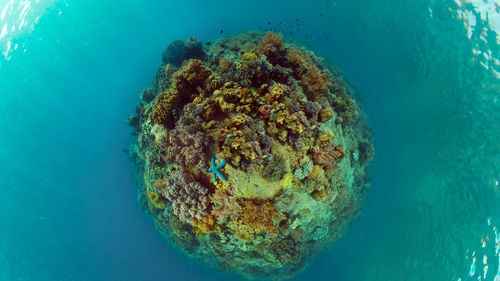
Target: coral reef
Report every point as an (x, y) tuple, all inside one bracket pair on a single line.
[(251, 153), (272, 46)]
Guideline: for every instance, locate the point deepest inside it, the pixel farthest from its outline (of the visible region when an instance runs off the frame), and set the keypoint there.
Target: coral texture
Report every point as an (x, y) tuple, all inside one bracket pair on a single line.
[(251, 153), (189, 199)]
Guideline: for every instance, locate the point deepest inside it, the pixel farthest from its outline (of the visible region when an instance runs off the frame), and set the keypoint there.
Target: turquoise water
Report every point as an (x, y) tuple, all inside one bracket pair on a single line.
[(427, 72)]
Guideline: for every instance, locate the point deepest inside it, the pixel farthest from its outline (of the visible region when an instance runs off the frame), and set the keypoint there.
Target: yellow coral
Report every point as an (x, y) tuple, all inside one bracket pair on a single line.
[(156, 199), (296, 57), (276, 93), (325, 114), (315, 82), (317, 173), (162, 108), (249, 56), (271, 44), (224, 64), (204, 226), (286, 181)]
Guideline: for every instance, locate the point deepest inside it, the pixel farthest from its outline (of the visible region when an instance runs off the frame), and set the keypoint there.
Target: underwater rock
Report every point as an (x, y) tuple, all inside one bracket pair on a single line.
[(179, 51), (251, 155)]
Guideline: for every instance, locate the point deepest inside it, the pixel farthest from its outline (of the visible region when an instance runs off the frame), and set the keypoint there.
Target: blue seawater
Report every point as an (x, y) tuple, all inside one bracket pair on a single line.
[(427, 72)]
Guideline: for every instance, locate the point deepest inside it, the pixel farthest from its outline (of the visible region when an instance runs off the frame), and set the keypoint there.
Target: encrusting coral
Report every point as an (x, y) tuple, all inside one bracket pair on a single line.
[(251, 153)]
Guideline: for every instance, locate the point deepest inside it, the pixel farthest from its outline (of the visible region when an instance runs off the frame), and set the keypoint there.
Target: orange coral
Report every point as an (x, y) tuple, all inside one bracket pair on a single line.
[(224, 64), (241, 144), (185, 83), (272, 46), (276, 92), (282, 120), (190, 77), (204, 226), (224, 205), (248, 217), (326, 154), (254, 219), (232, 97), (325, 114), (295, 57), (315, 82)]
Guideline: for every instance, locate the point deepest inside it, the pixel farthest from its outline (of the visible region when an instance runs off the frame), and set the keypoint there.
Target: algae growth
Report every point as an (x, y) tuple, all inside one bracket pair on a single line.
[(251, 153)]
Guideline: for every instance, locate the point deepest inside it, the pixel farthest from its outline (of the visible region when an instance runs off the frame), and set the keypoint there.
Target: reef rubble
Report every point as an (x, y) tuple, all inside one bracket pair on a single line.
[(251, 153)]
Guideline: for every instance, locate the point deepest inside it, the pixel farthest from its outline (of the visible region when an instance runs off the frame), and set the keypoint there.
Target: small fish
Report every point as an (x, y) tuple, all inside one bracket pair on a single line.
[(208, 43), (321, 15), (221, 31), (268, 22)]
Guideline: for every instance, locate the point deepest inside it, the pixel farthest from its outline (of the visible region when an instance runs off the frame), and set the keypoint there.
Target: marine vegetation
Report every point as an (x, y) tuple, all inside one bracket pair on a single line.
[(251, 153)]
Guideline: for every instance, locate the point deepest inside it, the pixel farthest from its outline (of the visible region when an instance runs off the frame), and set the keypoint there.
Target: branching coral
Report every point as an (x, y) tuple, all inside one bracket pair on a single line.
[(315, 83), (272, 46)]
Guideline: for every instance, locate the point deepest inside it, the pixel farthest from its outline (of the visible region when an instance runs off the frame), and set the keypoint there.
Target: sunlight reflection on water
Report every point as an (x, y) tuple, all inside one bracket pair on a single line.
[(18, 17)]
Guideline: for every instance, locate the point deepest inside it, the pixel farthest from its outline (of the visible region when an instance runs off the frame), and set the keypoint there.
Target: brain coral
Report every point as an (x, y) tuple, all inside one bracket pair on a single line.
[(295, 143)]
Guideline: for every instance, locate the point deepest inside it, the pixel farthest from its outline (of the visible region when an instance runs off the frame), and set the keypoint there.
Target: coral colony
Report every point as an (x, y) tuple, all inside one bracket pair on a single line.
[(296, 143)]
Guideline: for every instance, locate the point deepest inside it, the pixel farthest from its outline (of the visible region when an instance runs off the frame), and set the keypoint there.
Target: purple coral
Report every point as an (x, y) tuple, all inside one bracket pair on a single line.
[(186, 144), (189, 198)]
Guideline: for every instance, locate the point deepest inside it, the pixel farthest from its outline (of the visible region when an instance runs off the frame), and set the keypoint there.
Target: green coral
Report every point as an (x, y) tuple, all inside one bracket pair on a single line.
[(156, 199)]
